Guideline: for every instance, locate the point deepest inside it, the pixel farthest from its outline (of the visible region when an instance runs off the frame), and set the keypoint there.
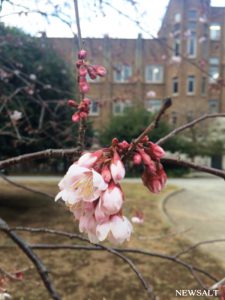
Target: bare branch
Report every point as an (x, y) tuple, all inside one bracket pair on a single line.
[(43, 272), (28, 189), (187, 164), (188, 125)]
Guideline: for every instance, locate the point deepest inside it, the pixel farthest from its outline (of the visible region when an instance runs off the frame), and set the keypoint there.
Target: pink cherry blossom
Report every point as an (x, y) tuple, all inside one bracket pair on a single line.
[(88, 159), (81, 184), (117, 168), (118, 229), (137, 159)]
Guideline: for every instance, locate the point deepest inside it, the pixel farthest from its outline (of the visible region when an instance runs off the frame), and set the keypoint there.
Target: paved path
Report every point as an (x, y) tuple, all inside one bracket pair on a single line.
[(200, 207)]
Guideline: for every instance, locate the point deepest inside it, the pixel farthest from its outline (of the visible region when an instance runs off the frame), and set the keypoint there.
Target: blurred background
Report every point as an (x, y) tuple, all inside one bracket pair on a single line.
[(170, 48)]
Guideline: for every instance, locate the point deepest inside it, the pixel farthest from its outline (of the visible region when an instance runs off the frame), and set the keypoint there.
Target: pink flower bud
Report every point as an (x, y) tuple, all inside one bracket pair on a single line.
[(112, 199), (76, 117), (86, 101), (117, 168), (137, 159), (124, 145), (83, 71), (79, 63), (156, 150), (100, 70), (147, 160), (72, 103), (83, 115), (154, 182), (106, 174), (82, 54), (84, 87), (92, 72), (115, 141)]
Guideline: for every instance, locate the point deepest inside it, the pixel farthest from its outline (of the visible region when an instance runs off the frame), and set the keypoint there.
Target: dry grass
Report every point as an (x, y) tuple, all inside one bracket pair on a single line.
[(96, 275)]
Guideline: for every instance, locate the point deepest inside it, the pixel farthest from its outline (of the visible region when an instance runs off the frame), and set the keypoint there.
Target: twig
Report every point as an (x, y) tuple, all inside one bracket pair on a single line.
[(152, 125), (187, 164), (57, 153), (78, 23), (99, 247), (96, 246), (43, 272), (21, 186), (188, 249), (188, 125)]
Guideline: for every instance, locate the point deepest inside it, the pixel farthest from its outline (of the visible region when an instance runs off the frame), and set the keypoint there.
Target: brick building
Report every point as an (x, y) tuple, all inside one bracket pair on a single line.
[(186, 62)]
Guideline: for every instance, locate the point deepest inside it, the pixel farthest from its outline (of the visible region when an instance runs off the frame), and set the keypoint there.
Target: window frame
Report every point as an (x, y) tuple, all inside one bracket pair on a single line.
[(216, 37), (153, 79), (217, 106), (175, 80), (124, 104), (122, 72), (190, 40), (91, 112), (191, 79), (156, 108)]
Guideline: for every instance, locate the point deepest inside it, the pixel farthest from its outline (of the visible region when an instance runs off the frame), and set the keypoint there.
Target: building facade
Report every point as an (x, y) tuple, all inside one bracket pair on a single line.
[(186, 62)]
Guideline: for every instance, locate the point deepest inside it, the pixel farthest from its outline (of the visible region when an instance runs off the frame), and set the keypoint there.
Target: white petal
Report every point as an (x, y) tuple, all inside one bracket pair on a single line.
[(58, 196), (87, 160), (76, 170), (102, 231), (98, 181)]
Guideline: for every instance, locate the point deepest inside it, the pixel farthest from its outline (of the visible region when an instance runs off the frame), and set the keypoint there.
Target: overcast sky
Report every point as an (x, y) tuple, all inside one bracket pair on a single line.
[(94, 23)]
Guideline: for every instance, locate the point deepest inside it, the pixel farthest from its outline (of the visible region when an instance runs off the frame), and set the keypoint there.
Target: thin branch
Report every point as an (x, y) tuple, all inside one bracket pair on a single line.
[(187, 164), (56, 153), (110, 250), (188, 249), (188, 125), (99, 247), (78, 23), (43, 272), (152, 125), (28, 189)]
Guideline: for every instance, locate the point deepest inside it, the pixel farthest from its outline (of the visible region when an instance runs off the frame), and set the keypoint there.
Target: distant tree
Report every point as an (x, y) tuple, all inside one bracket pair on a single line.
[(35, 84)]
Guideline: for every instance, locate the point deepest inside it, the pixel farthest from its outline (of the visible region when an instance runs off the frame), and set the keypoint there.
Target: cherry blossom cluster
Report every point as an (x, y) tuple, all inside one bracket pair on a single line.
[(84, 70), (92, 191), (82, 109)]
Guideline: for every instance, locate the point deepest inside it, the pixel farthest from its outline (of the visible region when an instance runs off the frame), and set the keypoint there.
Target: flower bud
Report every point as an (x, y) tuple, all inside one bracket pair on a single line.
[(76, 117), (137, 159), (84, 87), (72, 103), (100, 70), (106, 174), (83, 71), (79, 63), (82, 54), (124, 145)]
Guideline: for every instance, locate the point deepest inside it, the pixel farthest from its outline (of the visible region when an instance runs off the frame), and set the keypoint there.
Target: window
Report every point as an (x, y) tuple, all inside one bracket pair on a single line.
[(177, 18), (176, 47), (215, 31), (192, 15), (122, 73), (192, 45), (191, 85), (175, 86), (213, 106), (154, 73), (203, 86), (214, 70), (153, 105), (214, 61), (120, 106), (94, 108), (176, 29)]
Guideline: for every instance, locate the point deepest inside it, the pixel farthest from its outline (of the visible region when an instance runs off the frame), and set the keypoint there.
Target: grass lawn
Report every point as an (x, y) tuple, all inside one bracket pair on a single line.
[(84, 275)]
